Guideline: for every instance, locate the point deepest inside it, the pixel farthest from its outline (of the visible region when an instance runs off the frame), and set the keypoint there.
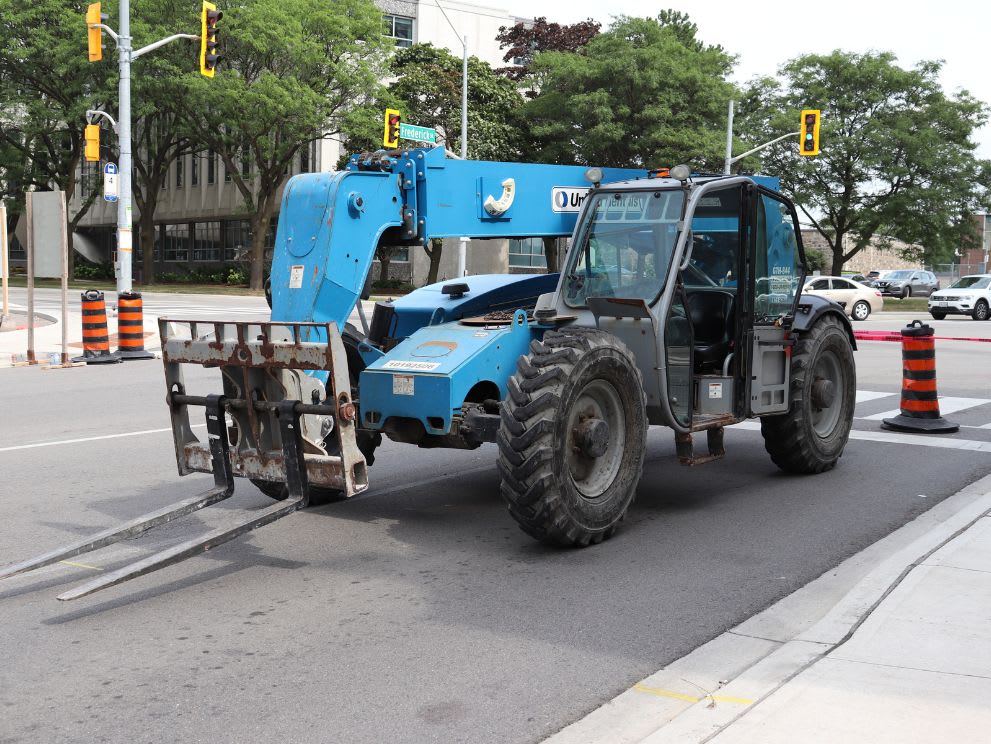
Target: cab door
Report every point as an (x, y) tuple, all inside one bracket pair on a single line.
[(775, 279)]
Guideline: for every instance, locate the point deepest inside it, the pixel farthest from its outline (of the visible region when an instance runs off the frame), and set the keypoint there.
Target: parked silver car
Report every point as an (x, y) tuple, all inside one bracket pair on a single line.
[(907, 283)]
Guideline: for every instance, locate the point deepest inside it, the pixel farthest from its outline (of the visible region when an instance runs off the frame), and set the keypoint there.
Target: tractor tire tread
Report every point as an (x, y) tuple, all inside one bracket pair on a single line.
[(527, 448), (788, 437)]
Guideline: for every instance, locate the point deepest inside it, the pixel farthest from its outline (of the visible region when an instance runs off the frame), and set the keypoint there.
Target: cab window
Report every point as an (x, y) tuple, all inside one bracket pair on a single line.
[(624, 247)]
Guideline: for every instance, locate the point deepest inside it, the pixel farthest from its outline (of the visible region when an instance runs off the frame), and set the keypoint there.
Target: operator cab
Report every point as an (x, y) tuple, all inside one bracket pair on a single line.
[(714, 266)]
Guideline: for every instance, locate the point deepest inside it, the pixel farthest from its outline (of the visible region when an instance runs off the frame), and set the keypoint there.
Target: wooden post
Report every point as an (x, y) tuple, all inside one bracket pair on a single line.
[(4, 262), (29, 214), (65, 280)]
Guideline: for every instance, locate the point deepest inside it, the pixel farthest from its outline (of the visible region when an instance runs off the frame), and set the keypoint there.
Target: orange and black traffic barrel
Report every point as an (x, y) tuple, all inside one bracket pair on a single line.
[(130, 327), (920, 403), (96, 336)]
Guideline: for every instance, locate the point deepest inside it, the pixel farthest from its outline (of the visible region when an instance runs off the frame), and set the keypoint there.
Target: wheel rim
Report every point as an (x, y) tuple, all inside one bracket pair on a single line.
[(860, 311), (981, 310), (825, 409), (598, 402)]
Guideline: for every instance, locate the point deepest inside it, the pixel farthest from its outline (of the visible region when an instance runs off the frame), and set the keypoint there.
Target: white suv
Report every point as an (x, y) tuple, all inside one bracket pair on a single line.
[(968, 295)]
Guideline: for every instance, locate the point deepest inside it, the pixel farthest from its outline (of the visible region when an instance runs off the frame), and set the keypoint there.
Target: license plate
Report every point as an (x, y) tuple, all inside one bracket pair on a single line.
[(942, 304)]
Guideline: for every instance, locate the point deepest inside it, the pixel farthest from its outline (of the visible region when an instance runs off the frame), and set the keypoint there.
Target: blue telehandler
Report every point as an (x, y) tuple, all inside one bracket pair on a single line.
[(678, 305)]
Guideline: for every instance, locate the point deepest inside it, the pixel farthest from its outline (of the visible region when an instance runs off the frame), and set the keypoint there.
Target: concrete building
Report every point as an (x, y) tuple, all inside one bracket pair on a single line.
[(200, 217)]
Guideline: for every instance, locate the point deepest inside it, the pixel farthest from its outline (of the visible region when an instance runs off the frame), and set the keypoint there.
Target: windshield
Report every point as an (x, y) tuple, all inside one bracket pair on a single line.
[(624, 246), (897, 276), (972, 282)]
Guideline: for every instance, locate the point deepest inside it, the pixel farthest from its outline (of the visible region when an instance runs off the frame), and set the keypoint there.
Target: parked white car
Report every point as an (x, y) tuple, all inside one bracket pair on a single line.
[(968, 295), (858, 300)]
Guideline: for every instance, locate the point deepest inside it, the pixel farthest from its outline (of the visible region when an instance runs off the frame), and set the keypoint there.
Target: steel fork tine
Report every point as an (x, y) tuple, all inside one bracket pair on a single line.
[(183, 550), (118, 533)]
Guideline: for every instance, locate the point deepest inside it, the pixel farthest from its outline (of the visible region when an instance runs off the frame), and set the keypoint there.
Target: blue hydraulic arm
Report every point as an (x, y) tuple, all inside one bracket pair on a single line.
[(332, 223)]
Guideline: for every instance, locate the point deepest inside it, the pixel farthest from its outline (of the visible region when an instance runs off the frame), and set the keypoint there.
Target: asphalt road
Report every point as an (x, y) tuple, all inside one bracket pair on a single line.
[(417, 612)]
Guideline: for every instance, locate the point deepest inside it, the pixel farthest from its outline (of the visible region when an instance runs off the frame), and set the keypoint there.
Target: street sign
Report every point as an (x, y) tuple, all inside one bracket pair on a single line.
[(417, 134), (110, 182)]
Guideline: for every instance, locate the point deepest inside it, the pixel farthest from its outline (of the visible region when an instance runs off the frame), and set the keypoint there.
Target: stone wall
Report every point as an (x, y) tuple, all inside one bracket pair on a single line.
[(873, 257)]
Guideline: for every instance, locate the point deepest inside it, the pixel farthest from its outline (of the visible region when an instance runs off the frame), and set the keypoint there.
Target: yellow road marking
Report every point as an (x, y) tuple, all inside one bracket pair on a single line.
[(81, 565), (690, 698)]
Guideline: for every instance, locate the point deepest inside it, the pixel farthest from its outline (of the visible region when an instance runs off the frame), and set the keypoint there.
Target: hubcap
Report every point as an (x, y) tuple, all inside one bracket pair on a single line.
[(597, 436), (827, 380)]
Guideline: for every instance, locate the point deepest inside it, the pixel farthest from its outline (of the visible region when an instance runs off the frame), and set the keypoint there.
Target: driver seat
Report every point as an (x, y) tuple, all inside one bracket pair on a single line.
[(712, 316)]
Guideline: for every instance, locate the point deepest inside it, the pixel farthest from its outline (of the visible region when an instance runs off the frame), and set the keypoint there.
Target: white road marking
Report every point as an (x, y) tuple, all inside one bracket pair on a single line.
[(894, 438), (865, 395), (88, 439), (946, 405)]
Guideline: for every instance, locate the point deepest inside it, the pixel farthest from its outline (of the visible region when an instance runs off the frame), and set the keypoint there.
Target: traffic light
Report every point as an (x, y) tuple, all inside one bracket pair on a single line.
[(92, 137), (808, 145), (208, 39), (392, 120), (95, 35)]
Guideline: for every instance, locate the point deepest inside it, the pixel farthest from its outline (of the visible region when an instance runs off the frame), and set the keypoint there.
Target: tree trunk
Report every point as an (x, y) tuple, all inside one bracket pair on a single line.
[(384, 260), (147, 228), (259, 231), (434, 253), (836, 265), (550, 253)]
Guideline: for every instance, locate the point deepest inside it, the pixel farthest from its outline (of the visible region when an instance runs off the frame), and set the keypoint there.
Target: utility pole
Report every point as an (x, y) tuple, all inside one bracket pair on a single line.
[(126, 54), (729, 140), (125, 241), (462, 241)]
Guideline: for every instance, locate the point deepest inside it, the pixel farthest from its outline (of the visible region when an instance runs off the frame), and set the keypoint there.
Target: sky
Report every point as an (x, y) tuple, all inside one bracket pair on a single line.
[(765, 33)]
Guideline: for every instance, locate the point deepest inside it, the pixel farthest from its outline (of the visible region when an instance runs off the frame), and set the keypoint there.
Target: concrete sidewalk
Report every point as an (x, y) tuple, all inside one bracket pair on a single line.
[(902, 656), (48, 337), (916, 669)]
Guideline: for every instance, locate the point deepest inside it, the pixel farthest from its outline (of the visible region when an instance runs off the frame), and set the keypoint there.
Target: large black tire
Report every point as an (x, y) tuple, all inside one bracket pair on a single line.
[(568, 480), (906, 293), (938, 315), (811, 436), (981, 311)]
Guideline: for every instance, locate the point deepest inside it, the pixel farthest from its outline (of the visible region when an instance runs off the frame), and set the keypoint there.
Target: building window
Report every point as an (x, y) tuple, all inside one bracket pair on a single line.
[(89, 178), (308, 157), (400, 29), (194, 170), (178, 174), (206, 241), (237, 240), (527, 252), (211, 167), (177, 242)]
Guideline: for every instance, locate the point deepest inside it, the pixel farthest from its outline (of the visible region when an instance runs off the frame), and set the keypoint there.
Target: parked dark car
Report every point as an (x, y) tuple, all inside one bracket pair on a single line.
[(907, 283)]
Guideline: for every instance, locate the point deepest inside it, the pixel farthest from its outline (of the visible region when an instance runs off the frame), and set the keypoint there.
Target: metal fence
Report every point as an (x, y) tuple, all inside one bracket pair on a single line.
[(949, 273)]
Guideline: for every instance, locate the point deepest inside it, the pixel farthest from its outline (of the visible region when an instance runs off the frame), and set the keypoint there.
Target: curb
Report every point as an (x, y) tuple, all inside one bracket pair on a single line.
[(741, 667)]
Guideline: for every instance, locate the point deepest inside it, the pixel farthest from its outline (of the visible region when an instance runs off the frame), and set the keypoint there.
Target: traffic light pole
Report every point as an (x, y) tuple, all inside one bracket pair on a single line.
[(125, 240)]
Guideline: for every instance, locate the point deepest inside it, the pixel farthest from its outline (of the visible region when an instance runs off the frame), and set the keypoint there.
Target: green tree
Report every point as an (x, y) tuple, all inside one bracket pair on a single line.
[(897, 157), (427, 90), (159, 133), (46, 85), (291, 70), (644, 93)]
